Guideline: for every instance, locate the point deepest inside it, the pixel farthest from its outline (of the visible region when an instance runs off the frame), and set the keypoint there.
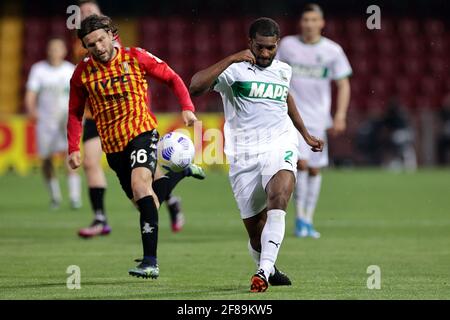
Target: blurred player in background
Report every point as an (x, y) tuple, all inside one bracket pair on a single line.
[(46, 99), (316, 61), (260, 141), (95, 175), (112, 81)]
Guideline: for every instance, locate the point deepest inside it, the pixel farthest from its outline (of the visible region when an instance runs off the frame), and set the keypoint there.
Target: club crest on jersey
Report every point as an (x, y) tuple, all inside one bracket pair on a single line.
[(126, 67), (283, 76)]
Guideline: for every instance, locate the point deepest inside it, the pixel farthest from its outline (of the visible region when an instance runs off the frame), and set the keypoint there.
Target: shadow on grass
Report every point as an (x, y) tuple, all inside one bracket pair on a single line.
[(63, 284), (207, 293)]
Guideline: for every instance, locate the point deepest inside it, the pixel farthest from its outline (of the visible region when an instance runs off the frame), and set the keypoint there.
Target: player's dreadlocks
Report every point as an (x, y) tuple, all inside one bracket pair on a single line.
[(96, 22)]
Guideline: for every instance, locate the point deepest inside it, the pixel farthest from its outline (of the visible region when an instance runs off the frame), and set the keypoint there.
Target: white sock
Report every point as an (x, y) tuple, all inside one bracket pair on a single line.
[(74, 183), (271, 238), (300, 193), (100, 216), (314, 184), (254, 254), (54, 189)]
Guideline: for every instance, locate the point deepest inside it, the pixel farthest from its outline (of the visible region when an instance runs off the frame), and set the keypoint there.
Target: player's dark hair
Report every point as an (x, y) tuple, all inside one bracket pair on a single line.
[(312, 7), (93, 23), (265, 27), (81, 2)]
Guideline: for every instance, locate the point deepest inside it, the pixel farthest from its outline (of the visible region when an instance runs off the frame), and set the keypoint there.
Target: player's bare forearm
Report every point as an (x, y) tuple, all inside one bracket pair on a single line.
[(316, 144), (30, 103), (296, 118), (342, 103), (343, 97), (203, 80)]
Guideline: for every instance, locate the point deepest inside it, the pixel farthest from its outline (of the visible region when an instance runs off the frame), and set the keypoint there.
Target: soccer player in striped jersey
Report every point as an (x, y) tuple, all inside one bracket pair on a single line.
[(112, 80), (95, 176)]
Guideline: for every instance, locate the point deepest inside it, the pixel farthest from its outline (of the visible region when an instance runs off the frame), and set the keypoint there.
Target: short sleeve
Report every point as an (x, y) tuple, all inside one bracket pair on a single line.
[(33, 83), (224, 80), (340, 67)]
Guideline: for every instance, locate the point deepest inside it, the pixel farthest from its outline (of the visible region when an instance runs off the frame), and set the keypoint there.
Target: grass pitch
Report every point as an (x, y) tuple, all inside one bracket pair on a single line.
[(399, 222)]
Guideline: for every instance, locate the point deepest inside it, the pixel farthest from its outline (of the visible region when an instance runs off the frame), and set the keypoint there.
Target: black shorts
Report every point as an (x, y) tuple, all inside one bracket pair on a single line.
[(89, 130), (140, 152)]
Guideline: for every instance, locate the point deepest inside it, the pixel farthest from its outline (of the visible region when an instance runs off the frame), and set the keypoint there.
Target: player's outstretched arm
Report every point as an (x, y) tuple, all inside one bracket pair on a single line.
[(316, 144), (179, 88), (203, 80), (159, 70)]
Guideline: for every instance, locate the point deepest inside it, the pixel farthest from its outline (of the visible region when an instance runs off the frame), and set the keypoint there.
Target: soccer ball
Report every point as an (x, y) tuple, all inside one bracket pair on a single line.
[(175, 151)]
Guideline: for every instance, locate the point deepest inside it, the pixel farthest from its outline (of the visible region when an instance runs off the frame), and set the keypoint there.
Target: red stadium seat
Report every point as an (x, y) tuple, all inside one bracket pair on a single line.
[(387, 30), (153, 26), (355, 26), (333, 28), (230, 27), (438, 66), (438, 45), (413, 46), (201, 61), (178, 44), (405, 86), (378, 104), (387, 46), (344, 42), (446, 88), (407, 27), (423, 102), (361, 65), (430, 86), (177, 26), (387, 67), (204, 38), (57, 27), (201, 104), (231, 36), (408, 101), (434, 27), (358, 88), (412, 66), (379, 88), (360, 46), (287, 26), (35, 27)]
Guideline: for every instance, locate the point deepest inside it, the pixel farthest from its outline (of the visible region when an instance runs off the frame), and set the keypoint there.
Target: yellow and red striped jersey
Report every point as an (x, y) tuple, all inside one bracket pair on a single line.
[(116, 93)]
